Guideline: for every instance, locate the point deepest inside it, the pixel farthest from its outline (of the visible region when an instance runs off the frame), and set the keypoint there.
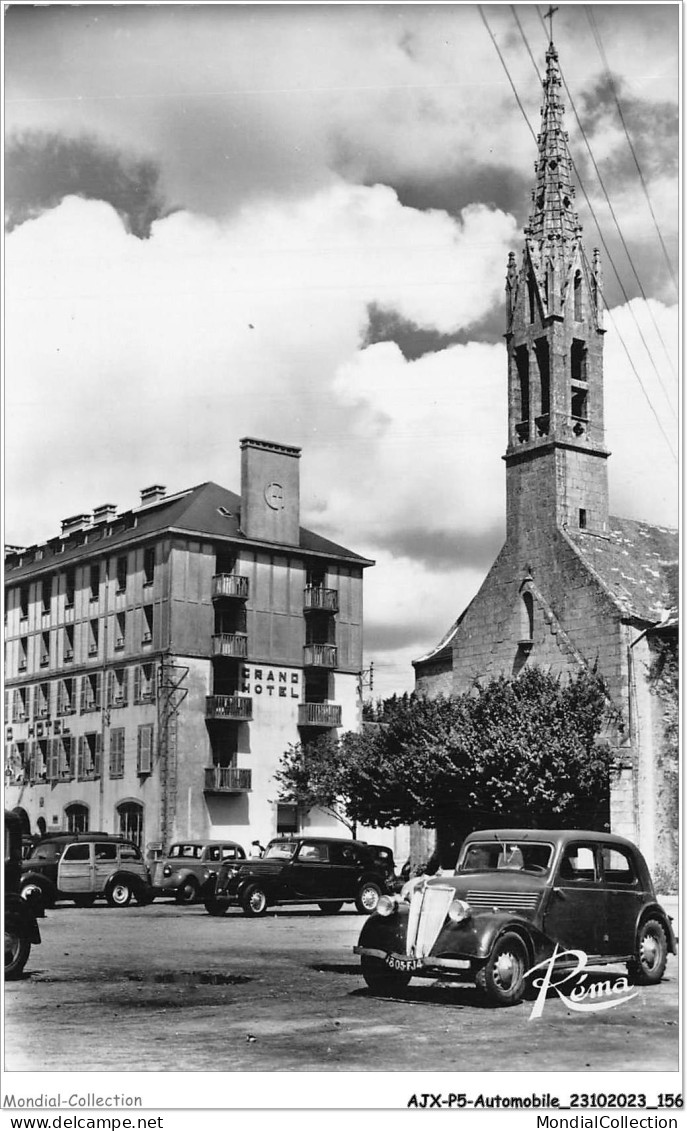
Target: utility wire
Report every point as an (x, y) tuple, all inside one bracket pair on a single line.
[(602, 52), (624, 244), (634, 368)]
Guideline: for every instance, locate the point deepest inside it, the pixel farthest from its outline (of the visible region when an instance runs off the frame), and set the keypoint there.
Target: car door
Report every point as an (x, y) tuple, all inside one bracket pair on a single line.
[(75, 869), (310, 872), (345, 867), (104, 864), (624, 898), (575, 914)]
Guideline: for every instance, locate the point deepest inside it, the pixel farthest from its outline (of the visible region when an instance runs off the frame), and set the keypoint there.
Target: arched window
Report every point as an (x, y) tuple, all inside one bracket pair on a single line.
[(577, 296), (77, 818), (531, 296), (527, 618), (130, 818)]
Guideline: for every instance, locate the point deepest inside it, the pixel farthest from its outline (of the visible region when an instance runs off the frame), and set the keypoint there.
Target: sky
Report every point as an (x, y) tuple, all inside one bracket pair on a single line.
[(293, 222)]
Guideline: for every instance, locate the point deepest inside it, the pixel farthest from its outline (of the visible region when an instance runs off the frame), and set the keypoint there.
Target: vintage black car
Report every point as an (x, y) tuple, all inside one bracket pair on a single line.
[(301, 869), (21, 928), (516, 895), (189, 870)]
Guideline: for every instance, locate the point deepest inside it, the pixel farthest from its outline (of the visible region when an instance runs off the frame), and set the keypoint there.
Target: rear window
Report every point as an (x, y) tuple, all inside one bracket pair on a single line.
[(129, 852)]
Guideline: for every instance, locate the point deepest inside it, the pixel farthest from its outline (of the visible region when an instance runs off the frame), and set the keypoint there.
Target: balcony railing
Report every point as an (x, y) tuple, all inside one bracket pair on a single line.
[(319, 656), (316, 597), (230, 585), (229, 707), (227, 779), (230, 644), (319, 715)]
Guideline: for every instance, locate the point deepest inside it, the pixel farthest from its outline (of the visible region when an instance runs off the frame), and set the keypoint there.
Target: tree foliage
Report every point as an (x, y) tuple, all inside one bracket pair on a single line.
[(525, 751)]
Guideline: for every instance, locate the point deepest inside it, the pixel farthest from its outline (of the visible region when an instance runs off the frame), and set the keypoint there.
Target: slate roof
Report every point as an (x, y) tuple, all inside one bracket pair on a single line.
[(637, 564), (195, 511)]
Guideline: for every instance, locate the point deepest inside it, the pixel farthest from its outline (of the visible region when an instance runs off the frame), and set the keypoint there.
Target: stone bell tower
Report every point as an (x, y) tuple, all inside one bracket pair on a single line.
[(556, 458)]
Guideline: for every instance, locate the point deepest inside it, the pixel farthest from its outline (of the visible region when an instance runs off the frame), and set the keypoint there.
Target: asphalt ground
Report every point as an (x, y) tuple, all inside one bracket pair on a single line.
[(171, 989)]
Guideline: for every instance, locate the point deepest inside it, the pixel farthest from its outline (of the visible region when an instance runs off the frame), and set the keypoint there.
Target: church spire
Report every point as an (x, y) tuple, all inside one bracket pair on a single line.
[(553, 220)]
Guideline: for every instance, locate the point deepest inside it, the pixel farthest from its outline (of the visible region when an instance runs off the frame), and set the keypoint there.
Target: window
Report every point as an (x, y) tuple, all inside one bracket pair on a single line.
[(21, 708), (91, 692), (46, 594), (120, 631), (541, 349), (70, 587), (144, 763), (577, 296), (68, 643), (578, 864), (39, 761), (42, 701), (60, 767), (144, 683), (93, 637), (117, 752), (23, 653), (78, 853), (522, 361), (149, 565), (130, 815), (583, 519), (313, 854), (578, 403), (578, 360), (67, 696), (89, 756), (527, 617), (147, 624), (77, 818), (94, 581), (287, 818), (15, 763), (531, 295), (118, 685), (45, 650), (24, 602), (121, 574), (106, 852), (619, 867)]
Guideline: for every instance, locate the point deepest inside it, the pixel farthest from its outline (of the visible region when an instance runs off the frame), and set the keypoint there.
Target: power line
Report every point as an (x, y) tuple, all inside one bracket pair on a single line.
[(597, 37)]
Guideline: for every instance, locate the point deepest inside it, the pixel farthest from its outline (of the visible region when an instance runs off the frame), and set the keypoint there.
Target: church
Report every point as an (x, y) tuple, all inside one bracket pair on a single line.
[(573, 586)]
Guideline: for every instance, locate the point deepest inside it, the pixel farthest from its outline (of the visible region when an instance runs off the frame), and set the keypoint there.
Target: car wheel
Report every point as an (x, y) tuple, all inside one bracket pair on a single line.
[(188, 892), (17, 949), (254, 901), (367, 898), (214, 907), (503, 975), (380, 979), (119, 894), (331, 907), (84, 900), (651, 954)]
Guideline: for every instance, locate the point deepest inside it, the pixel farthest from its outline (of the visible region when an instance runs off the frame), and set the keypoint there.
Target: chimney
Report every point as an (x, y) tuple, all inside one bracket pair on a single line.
[(107, 512), (152, 494), (76, 522), (270, 492)]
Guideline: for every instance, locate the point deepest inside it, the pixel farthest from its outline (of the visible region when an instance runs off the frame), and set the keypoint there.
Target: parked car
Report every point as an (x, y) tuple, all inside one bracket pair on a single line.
[(385, 858), (189, 869), (515, 895), (21, 928), (301, 869), (84, 866)]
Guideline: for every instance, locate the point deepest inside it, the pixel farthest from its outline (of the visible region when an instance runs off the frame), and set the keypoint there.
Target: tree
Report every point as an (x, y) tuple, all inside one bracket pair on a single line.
[(521, 752)]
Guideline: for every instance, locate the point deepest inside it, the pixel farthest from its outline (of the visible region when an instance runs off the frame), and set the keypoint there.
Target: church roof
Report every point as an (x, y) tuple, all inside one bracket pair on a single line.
[(637, 565)]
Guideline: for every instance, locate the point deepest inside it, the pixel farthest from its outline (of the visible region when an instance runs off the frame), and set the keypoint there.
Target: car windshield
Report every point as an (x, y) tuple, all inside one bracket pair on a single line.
[(506, 855), (281, 849), (46, 852), (187, 851)]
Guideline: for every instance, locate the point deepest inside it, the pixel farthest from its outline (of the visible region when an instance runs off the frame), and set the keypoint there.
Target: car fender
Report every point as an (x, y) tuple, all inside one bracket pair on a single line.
[(19, 911), (136, 883), (247, 881), (655, 911)]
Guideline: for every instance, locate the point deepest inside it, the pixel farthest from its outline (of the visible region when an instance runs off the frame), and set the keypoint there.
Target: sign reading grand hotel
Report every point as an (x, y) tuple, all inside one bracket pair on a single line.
[(279, 683)]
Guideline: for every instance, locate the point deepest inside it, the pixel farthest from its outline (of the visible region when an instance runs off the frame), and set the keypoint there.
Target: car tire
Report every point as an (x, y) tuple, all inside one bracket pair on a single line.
[(214, 907), (254, 901), (119, 894), (367, 898), (332, 907), (502, 977), (651, 954), (17, 948), (83, 900), (187, 892), (380, 979)]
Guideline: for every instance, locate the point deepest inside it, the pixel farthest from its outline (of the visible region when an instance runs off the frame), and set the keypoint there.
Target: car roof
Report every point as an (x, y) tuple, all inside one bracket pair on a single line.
[(89, 837), (204, 843), (558, 836), (320, 839)]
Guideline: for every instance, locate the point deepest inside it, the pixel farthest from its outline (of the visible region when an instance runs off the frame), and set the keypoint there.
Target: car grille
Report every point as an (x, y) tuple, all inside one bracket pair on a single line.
[(504, 900), (427, 915)]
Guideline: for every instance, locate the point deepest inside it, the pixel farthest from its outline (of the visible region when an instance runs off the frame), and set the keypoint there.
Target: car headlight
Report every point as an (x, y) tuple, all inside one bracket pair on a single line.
[(387, 905), (167, 871), (459, 911)]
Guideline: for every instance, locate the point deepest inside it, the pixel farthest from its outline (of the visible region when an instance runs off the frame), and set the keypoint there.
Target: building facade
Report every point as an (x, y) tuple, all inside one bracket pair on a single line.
[(573, 586), (159, 662)]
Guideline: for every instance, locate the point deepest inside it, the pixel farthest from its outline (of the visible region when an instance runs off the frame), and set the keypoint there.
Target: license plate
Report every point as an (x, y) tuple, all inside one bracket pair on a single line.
[(404, 965)]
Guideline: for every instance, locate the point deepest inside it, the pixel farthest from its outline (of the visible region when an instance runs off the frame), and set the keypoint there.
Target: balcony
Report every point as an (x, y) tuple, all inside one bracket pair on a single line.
[(227, 779), (230, 644), (319, 656), (238, 707), (324, 600), (230, 585), (319, 715)]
